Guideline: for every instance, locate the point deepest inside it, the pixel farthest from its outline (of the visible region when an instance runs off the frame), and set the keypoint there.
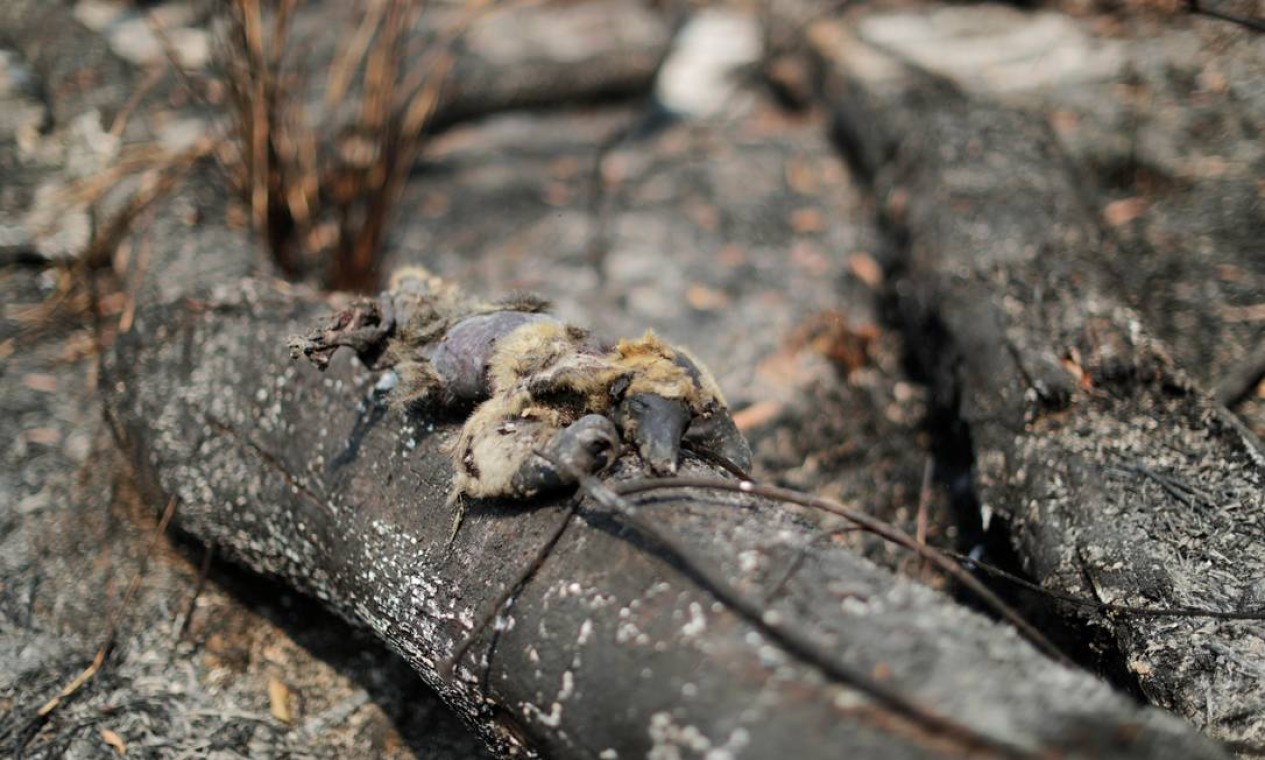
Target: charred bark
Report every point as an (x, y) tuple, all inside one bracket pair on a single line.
[(1112, 475), (616, 644)]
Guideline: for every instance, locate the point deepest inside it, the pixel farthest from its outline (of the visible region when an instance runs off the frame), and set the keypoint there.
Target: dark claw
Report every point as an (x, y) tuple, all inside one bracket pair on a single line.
[(656, 424), (719, 435), (589, 444), (715, 432)]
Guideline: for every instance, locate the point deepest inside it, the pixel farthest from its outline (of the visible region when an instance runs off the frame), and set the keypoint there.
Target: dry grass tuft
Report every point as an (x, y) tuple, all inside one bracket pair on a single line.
[(321, 192), (270, 166), (320, 181)]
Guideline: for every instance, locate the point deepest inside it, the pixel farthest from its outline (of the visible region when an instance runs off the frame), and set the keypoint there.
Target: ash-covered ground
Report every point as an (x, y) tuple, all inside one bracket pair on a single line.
[(742, 235)]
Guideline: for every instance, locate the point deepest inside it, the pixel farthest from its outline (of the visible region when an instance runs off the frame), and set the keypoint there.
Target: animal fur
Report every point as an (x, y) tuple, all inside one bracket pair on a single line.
[(529, 382)]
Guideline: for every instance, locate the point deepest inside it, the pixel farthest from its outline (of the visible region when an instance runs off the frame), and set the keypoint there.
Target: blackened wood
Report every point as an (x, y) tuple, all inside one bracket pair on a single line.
[(1113, 475), (611, 647), (552, 55)]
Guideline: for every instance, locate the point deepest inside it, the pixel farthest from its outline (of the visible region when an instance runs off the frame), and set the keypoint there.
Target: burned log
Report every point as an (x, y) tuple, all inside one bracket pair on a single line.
[(620, 643), (1111, 473), (532, 57)]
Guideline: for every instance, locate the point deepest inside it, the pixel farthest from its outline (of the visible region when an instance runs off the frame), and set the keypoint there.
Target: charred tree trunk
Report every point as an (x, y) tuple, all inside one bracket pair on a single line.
[(1113, 476), (614, 646)]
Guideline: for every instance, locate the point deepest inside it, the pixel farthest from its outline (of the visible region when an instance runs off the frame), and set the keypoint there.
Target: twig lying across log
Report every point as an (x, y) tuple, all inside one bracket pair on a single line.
[(612, 645), (1116, 478)]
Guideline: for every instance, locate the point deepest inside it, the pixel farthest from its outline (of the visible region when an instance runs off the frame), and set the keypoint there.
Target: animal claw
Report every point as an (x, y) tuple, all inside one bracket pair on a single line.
[(589, 445), (718, 435), (656, 425)]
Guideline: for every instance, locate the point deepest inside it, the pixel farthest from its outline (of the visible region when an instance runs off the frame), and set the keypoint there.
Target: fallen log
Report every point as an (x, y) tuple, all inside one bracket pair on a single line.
[(1113, 476), (552, 55), (620, 643)]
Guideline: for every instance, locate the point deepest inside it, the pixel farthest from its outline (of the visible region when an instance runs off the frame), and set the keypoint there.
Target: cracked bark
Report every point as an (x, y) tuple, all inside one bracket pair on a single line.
[(1105, 467)]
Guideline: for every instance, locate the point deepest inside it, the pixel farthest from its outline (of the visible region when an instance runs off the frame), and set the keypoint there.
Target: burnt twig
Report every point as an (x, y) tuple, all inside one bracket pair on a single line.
[(795, 641), (1197, 8), (446, 667), (1103, 607), (872, 524)]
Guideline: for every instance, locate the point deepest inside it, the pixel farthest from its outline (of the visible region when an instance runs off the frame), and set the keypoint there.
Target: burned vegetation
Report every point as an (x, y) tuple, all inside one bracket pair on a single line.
[(971, 489)]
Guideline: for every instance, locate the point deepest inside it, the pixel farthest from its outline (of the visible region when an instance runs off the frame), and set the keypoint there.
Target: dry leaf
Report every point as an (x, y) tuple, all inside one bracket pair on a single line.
[(1072, 363), (704, 298), (1065, 122), (801, 176), (1123, 211), (810, 258), (1253, 313), (807, 220), (897, 204), (279, 700), (435, 205), (44, 436), (793, 80), (114, 740), (866, 269), (759, 413), (112, 303), (1232, 273), (236, 217), (558, 194), (38, 381), (828, 333), (567, 167), (1213, 81), (732, 256), (704, 215)]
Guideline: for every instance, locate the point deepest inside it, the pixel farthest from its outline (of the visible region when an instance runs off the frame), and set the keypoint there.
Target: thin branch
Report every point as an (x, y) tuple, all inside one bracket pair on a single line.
[(794, 641), (1196, 7), (447, 666), (1103, 607), (42, 715), (204, 570), (872, 524), (1242, 379), (924, 506)]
